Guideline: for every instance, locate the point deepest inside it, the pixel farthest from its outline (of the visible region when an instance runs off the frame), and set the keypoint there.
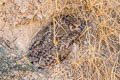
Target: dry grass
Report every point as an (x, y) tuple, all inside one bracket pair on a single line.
[(98, 56)]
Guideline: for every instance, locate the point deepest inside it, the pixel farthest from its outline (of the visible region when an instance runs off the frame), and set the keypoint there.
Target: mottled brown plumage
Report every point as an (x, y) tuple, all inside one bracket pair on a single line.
[(43, 53)]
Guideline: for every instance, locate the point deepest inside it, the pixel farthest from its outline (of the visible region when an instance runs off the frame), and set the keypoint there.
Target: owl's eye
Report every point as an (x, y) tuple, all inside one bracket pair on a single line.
[(72, 27)]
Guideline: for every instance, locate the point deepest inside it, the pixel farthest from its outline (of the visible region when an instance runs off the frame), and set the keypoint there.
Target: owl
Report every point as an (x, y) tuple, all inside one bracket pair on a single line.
[(53, 43)]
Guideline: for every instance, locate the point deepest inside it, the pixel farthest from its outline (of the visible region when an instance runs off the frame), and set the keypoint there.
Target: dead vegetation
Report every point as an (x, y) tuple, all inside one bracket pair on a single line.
[(96, 55)]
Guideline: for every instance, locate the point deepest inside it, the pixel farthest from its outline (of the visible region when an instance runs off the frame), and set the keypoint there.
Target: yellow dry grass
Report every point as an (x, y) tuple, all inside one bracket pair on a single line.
[(99, 57), (104, 14)]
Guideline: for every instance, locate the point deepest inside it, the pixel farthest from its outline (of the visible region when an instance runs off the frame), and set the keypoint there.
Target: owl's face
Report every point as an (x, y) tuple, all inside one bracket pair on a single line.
[(72, 23)]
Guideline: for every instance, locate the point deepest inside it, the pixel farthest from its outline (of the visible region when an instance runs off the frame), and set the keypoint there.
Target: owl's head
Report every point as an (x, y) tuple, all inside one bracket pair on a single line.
[(73, 23)]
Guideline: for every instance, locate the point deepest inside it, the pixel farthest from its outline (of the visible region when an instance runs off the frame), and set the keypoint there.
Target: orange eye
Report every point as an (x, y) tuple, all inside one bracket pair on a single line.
[(72, 27)]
